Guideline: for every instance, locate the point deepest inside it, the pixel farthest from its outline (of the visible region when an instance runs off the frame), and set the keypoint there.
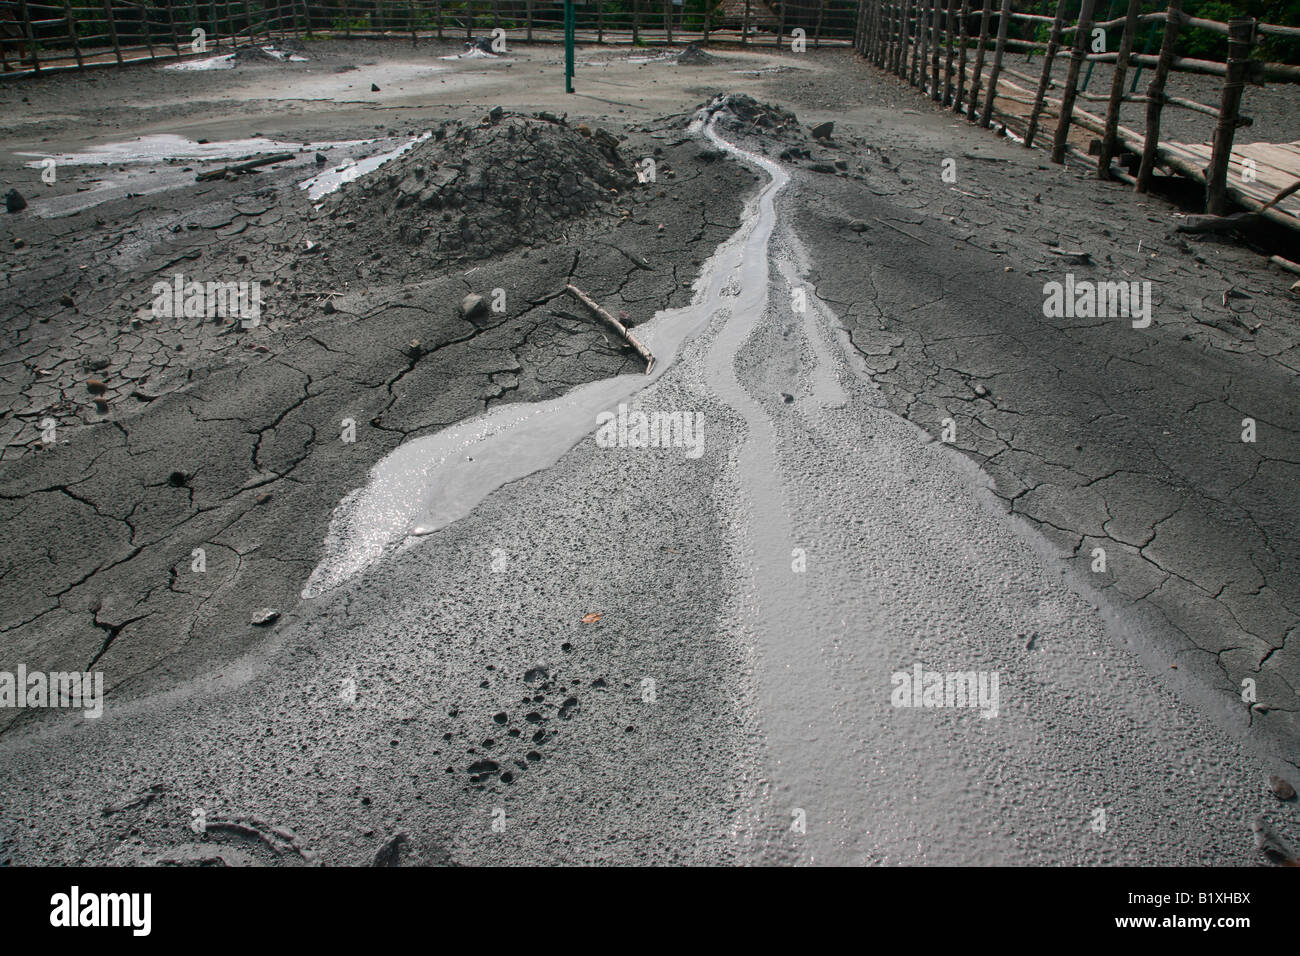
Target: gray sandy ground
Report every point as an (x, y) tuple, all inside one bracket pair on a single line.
[(372, 711)]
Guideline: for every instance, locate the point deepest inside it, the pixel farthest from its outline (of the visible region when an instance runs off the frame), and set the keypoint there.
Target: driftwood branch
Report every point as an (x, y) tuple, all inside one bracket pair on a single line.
[(613, 323), (242, 167)]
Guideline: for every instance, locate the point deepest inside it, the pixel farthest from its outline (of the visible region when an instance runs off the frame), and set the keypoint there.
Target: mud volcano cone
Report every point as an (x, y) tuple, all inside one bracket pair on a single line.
[(470, 192)]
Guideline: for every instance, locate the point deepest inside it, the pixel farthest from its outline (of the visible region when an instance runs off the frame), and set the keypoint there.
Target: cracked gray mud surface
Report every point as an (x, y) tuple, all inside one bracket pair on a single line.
[(175, 434), (458, 684), (1099, 434), (514, 690)]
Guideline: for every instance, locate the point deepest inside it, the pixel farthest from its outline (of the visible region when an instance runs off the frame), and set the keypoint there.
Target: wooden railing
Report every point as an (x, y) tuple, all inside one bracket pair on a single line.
[(898, 36), (55, 35)]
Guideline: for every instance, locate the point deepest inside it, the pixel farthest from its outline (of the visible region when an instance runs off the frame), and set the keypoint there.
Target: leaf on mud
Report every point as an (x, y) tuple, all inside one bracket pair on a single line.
[(592, 618)]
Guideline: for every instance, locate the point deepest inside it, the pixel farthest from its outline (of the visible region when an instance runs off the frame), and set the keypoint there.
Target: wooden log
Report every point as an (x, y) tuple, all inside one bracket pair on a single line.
[(1241, 37), (1117, 89), (244, 167), (1156, 95), (971, 111), (1062, 136), (1045, 76), (613, 323), (1004, 21)]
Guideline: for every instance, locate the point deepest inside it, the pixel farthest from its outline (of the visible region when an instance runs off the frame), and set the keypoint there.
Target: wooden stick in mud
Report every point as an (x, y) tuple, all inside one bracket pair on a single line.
[(613, 323), (242, 167)]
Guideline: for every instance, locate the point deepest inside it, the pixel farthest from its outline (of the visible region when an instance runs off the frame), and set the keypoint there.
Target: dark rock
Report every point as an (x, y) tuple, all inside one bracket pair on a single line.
[(374, 88), (390, 854), (1281, 788), (14, 202), (823, 130), (473, 305)]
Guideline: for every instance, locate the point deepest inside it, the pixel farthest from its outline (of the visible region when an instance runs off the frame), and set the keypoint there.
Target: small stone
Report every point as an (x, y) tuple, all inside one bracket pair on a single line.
[(14, 202), (265, 617), (822, 168), (1281, 788), (857, 225), (95, 387), (495, 114), (374, 88), (787, 398), (390, 854), (981, 391), (66, 301), (823, 130), (320, 159), (1270, 844), (472, 305), (841, 165), (584, 130), (19, 243)]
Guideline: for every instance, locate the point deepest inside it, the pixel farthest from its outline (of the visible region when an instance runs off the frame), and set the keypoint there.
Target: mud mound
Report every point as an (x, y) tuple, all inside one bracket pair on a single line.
[(743, 113), (469, 192), (694, 56), (255, 54)]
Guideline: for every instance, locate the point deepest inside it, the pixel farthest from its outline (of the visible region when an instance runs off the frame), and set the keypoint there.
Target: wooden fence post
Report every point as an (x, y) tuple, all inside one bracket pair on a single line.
[(972, 113), (26, 17), (744, 26), (112, 31), (1071, 90), (72, 31), (1241, 37), (954, 25), (899, 21), (956, 97), (936, 11), (904, 38), (1156, 94), (1045, 78), (1117, 89), (923, 35), (1004, 22)]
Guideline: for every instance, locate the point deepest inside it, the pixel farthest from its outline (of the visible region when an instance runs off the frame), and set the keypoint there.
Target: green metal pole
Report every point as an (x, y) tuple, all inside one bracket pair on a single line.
[(568, 45)]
